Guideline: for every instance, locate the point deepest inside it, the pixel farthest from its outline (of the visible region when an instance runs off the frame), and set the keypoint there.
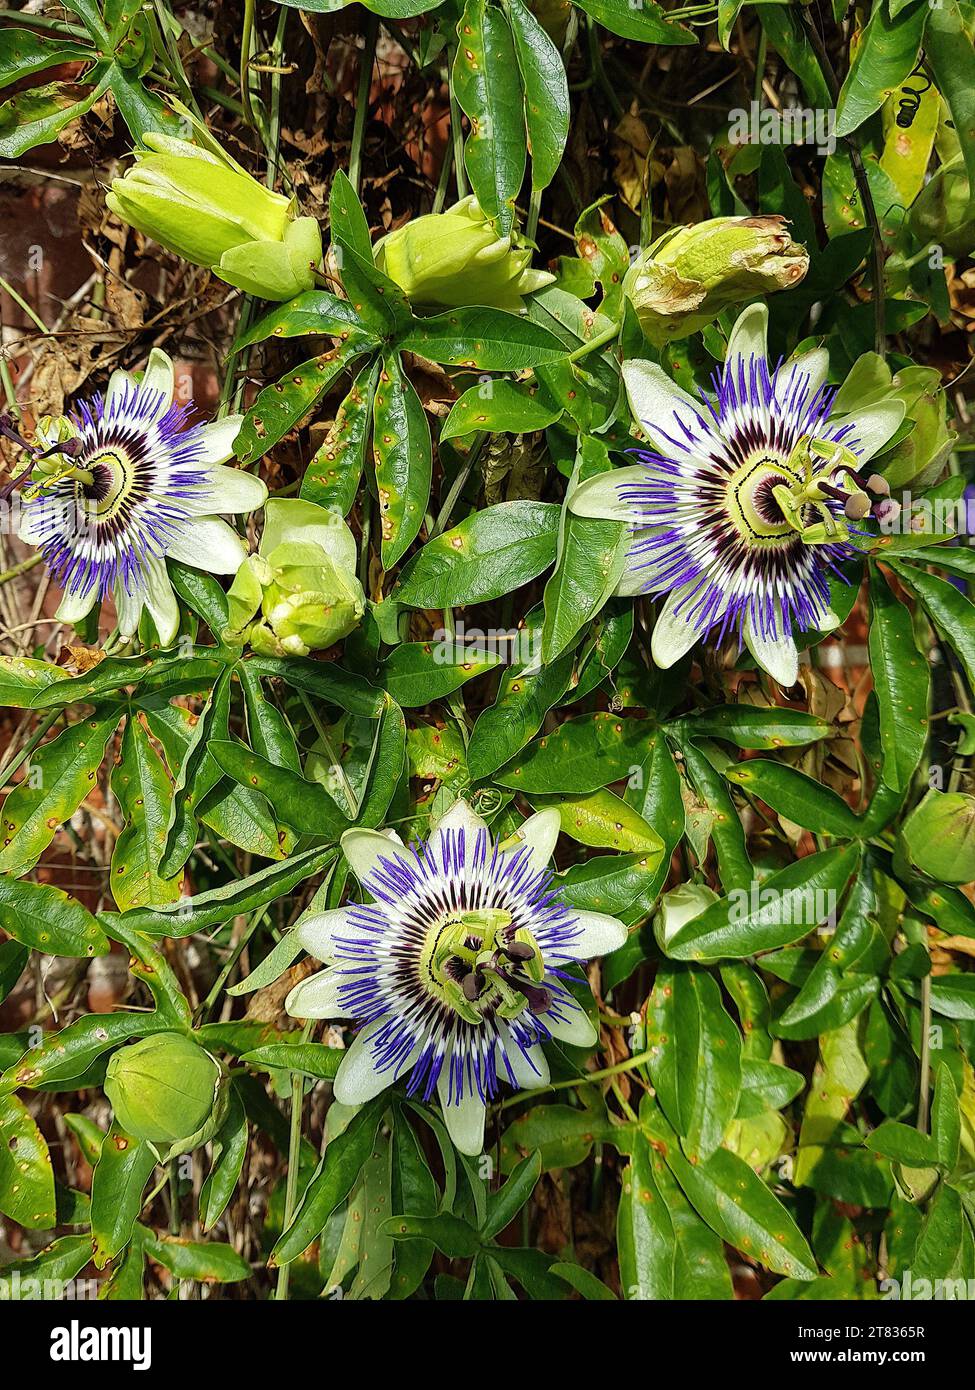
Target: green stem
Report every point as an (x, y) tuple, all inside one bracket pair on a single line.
[(362, 100), (246, 43), (34, 318), (457, 134), (294, 1156), (232, 959), (924, 1080), (608, 335), (18, 759), (760, 58), (534, 212), (628, 1065), (21, 568), (862, 183)]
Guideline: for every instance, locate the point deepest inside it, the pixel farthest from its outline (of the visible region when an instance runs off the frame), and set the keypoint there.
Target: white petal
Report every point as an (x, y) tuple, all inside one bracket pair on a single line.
[(75, 606), (872, 427), (642, 573), (778, 657), (540, 834), (218, 438), (576, 1028), (674, 634), (749, 337), (530, 1071), (160, 376), (813, 364), (464, 1119), (318, 996), (317, 933), (458, 817), (357, 1079), (600, 496), (129, 607), (364, 849), (654, 398), (160, 600), (226, 490), (120, 385), (207, 543), (600, 935)]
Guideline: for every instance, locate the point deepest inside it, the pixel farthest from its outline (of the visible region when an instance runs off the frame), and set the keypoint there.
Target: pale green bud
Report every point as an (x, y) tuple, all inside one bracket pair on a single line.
[(690, 274), (200, 204), (680, 906), (163, 1089), (446, 260), (939, 836)]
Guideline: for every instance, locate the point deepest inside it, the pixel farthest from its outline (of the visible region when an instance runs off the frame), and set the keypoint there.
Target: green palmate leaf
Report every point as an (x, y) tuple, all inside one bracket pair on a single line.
[(416, 673), (282, 407), (21, 678), (581, 755), (212, 1263), (65, 1055), (387, 760), (624, 885), (885, 55), (827, 998), (326, 681), (604, 821), (202, 594), (489, 340), (647, 22), (452, 1236), (306, 806), (144, 794), (177, 671), (61, 773), (37, 116), (734, 1201), (695, 1059), (62, 1261), (270, 733), (404, 459), (734, 866), (118, 1182), (198, 774), (332, 477), (218, 905), (766, 1085), (47, 919), (333, 1180), (901, 682), (799, 798), (942, 1236), (485, 81), (311, 1059), (644, 1229), (517, 713), (491, 553), (951, 612), (412, 1189), (26, 1175), (13, 961), (949, 50), (946, 1118), (505, 1204), (903, 1144), (23, 53), (315, 311), (546, 88), (782, 909), (749, 726), (378, 301), (590, 559), (498, 406)]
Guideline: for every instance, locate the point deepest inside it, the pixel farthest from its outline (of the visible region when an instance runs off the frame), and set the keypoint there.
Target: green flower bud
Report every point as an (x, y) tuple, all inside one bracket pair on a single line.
[(199, 203), (163, 1089), (680, 906), (939, 836), (302, 582), (446, 260), (943, 213), (690, 274)]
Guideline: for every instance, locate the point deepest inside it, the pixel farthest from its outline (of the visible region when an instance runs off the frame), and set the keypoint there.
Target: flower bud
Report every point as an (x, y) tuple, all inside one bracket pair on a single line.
[(690, 274), (302, 582), (449, 259), (939, 836), (202, 205), (162, 1089), (678, 907)]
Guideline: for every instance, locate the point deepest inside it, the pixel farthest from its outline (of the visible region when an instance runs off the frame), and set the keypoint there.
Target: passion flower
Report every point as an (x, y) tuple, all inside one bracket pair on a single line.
[(455, 970)]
